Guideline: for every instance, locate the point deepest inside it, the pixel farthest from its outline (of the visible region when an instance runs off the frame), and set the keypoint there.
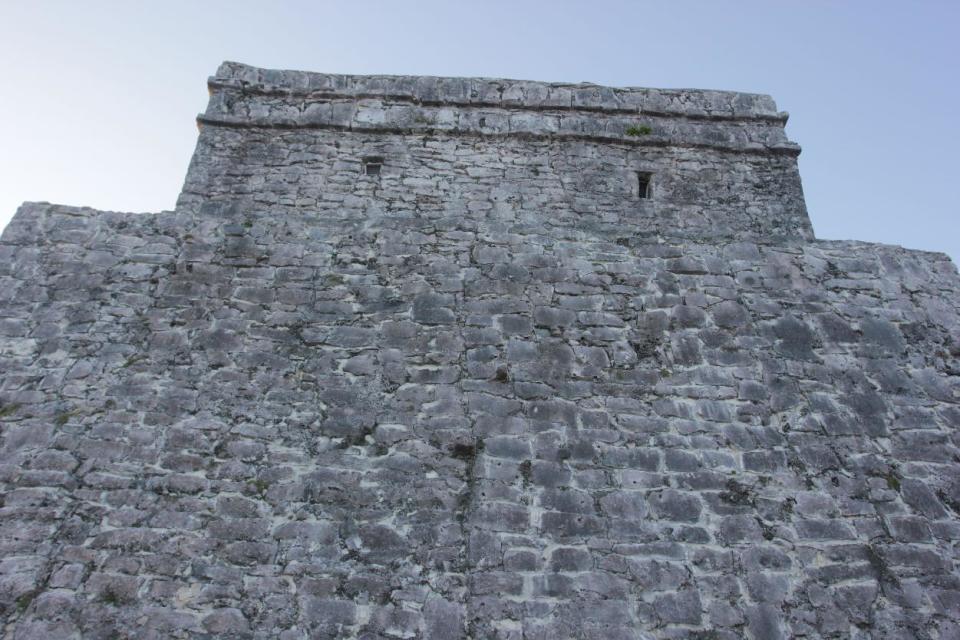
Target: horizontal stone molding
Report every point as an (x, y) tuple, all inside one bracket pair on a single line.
[(498, 92), (247, 96)]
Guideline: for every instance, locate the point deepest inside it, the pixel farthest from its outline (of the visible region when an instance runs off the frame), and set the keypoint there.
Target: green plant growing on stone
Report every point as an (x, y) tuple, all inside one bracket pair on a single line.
[(8, 410), (132, 360), (64, 418), (893, 482), (113, 597), (24, 601), (635, 131), (260, 485)]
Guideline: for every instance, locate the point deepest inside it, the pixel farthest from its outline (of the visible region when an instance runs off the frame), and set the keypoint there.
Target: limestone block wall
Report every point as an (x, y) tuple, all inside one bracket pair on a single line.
[(719, 164), (483, 394)]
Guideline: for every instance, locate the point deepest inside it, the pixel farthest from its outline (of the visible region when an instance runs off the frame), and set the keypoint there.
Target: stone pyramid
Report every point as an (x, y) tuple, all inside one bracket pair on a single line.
[(443, 358)]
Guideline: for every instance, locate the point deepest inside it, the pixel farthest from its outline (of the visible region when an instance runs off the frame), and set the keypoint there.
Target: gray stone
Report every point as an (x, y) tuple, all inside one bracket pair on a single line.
[(443, 619), (675, 505), (433, 309), (682, 607), (487, 391), (226, 621)]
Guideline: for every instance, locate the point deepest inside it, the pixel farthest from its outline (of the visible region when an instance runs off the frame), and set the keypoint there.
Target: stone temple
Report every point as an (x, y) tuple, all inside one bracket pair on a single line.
[(445, 358)]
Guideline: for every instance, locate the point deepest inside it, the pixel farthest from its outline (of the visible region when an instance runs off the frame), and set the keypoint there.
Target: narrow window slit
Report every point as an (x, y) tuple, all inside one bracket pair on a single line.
[(644, 184), (372, 165)]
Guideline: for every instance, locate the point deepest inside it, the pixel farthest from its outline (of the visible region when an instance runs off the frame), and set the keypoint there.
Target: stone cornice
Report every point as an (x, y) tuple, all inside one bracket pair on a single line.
[(244, 96)]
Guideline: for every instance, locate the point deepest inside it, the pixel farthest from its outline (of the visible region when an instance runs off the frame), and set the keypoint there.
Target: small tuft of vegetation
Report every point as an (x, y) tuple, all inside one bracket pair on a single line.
[(635, 131), (132, 360), (738, 494), (64, 418), (113, 597), (526, 472), (880, 567), (646, 347), (24, 601), (260, 486), (465, 452), (893, 482), (7, 410)]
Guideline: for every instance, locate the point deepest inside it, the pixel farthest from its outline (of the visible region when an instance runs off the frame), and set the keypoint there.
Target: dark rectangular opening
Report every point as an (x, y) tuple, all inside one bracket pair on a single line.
[(644, 184), (372, 165)]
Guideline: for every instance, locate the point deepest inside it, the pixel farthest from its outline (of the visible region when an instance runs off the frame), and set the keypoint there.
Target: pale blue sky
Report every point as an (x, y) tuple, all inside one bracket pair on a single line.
[(99, 98)]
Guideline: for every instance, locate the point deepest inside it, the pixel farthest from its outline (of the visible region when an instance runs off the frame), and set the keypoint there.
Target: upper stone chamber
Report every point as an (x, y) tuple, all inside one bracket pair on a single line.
[(446, 358), (645, 163)]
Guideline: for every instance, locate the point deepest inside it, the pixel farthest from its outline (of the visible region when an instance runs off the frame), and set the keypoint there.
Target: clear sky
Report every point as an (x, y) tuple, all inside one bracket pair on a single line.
[(98, 99)]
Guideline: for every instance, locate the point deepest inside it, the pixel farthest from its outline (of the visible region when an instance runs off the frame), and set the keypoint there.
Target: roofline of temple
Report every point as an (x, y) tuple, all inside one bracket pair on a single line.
[(246, 96), (503, 93)]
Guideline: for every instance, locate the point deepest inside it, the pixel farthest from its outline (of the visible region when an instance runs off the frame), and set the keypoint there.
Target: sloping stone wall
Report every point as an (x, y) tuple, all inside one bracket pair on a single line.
[(489, 393)]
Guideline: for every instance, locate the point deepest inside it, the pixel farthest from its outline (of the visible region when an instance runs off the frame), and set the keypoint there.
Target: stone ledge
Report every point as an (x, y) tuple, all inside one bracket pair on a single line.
[(25, 228), (243, 96), (502, 93), (29, 224), (674, 138)]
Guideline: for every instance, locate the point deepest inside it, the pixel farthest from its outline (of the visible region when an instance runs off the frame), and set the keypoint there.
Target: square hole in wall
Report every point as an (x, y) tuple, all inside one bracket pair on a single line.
[(644, 184), (372, 165)]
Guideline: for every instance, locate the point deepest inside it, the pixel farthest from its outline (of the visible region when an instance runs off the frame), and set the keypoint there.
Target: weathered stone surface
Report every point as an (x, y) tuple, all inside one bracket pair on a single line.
[(487, 392)]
